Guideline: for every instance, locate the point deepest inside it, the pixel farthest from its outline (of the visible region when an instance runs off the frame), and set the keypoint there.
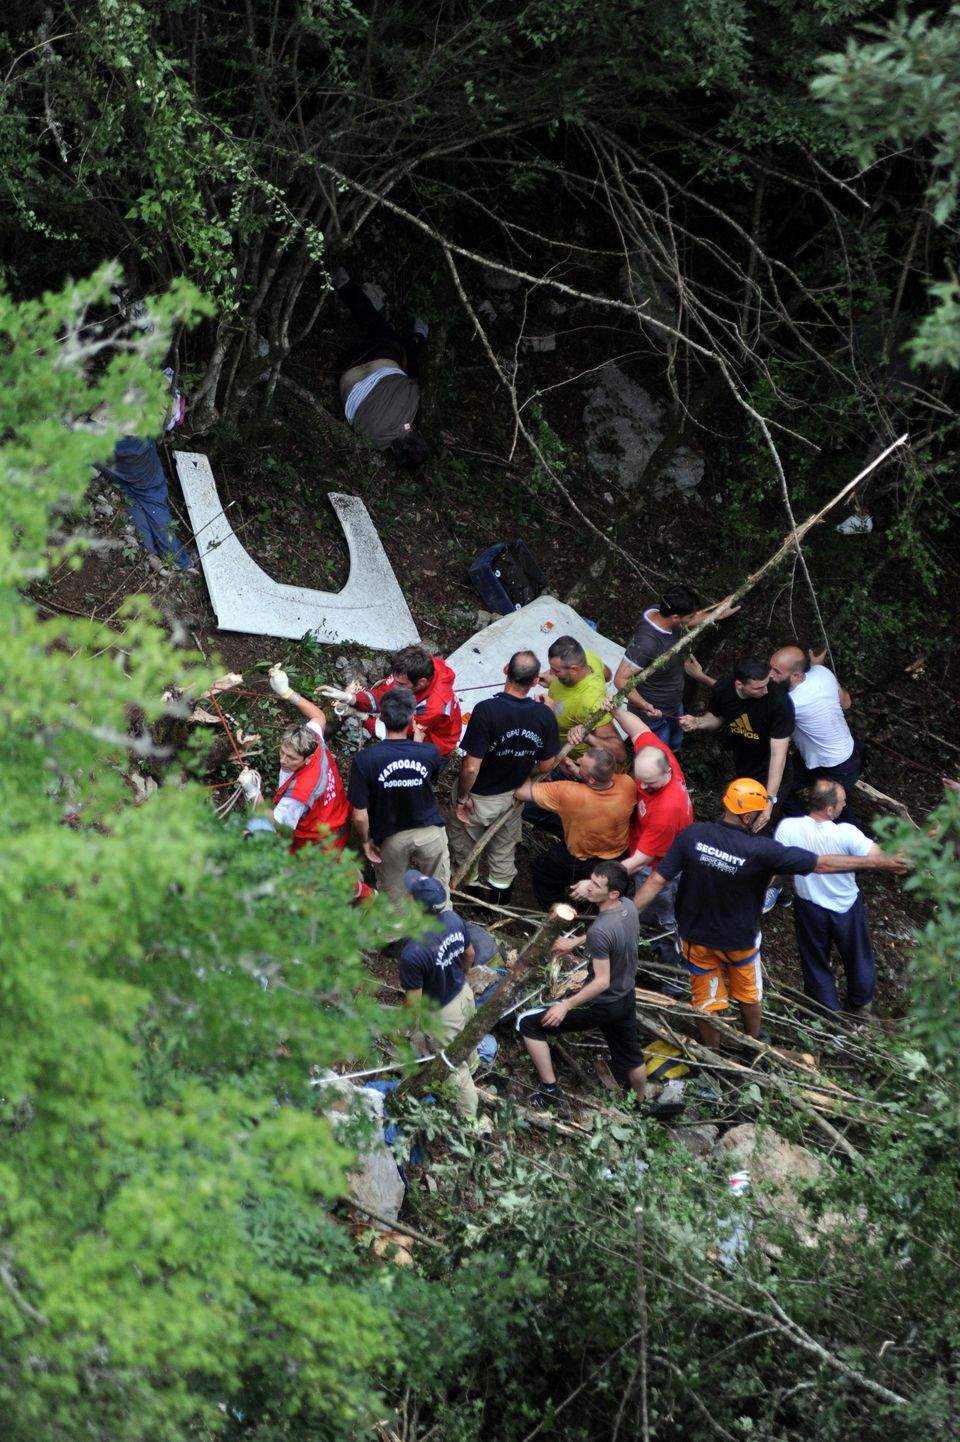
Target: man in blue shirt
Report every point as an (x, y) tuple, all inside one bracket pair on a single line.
[(435, 966), (395, 812), (508, 738)]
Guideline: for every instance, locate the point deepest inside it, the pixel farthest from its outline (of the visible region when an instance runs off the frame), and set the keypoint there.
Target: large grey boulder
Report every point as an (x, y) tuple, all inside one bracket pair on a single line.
[(624, 426)]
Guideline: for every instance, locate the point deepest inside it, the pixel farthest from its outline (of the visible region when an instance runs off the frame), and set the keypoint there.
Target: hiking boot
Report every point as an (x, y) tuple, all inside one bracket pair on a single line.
[(479, 890), (500, 894), (859, 1013)]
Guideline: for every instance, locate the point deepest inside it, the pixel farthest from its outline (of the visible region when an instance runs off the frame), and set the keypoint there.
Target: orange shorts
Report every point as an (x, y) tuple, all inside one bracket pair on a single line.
[(717, 975)]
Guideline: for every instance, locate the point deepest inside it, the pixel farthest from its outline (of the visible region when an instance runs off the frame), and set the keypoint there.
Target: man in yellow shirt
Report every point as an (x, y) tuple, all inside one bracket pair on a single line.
[(576, 688)]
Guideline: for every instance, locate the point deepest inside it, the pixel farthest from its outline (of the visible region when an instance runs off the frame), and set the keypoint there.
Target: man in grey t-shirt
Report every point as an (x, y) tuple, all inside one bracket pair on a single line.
[(605, 1002), (659, 700)]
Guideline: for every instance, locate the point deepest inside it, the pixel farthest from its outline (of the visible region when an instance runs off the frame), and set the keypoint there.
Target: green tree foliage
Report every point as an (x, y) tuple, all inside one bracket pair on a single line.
[(900, 90), (166, 1257)]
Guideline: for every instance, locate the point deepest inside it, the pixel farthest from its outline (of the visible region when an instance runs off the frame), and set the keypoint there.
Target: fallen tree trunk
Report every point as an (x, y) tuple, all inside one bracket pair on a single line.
[(514, 984)]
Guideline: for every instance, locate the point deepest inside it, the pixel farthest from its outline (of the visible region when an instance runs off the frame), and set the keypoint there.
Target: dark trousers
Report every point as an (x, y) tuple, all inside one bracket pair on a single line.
[(847, 773), (150, 513), (535, 815), (379, 337), (616, 1021), (555, 871), (817, 930)]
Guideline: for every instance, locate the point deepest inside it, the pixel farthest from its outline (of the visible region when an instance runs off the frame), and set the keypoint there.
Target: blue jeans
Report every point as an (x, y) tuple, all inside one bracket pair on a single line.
[(817, 930), (667, 730), (150, 513)]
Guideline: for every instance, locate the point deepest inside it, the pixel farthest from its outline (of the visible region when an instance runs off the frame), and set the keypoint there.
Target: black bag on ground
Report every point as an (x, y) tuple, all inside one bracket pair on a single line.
[(507, 577)]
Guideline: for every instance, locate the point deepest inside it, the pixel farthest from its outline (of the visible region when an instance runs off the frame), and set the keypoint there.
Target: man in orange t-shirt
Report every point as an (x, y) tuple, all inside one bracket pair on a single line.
[(663, 810), (595, 813)]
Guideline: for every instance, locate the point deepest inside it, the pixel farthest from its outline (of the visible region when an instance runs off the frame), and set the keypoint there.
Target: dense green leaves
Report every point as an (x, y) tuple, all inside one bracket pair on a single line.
[(165, 987)]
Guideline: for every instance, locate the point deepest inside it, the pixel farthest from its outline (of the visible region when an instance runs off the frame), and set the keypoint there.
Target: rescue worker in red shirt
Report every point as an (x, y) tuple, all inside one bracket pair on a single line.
[(431, 680), (310, 800), (664, 809)]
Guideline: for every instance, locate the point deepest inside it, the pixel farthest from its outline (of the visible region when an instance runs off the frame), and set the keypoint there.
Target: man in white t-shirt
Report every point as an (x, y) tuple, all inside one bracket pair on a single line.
[(821, 734), (828, 908)]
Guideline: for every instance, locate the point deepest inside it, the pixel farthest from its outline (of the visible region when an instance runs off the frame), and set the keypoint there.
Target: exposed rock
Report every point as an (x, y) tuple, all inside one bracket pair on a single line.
[(770, 1159), (624, 425), (540, 342), (375, 294), (498, 280), (357, 1116), (699, 1140)]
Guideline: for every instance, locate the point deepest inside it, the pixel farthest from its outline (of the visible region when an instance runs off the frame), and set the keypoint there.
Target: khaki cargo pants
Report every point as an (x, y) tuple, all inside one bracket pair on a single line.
[(422, 848), (453, 1018), (501, 853)]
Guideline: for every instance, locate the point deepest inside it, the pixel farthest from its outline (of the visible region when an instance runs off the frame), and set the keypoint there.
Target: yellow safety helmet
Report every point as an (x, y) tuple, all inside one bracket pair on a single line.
[(745, 795)]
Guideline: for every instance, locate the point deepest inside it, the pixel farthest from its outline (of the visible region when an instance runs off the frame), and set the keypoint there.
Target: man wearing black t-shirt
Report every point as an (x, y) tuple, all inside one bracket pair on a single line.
[(395, 812), (508, 737), (435, 966), (724, 870), (758, 715)]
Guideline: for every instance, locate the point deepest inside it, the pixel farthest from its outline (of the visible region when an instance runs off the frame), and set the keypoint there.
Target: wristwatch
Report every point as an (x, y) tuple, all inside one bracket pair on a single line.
[(771, 799)]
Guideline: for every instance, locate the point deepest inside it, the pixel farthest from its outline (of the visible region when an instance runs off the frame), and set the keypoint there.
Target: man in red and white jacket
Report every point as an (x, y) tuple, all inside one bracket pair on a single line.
[(310, 800), (437, 717)]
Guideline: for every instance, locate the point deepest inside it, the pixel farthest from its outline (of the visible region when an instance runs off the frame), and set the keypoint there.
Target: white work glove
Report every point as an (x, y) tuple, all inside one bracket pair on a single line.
[(249, 783), (333, 693), (280, 682)]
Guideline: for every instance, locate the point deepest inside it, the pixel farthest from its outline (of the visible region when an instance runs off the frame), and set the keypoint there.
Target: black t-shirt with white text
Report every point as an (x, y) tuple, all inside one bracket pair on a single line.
[(511, 734), (435, 962), (393, 781), (724, 872), (752, 723)]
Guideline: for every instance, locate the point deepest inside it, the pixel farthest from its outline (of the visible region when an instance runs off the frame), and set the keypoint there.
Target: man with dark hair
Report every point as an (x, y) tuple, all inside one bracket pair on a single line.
[(435, 966), (395, 812), (595, 814), (724, 870), (508, 737), (822, 736), (829, 910), (437, 713), (379, 384), (659, 700), (758, 715), (576, 688), (605, 1002)]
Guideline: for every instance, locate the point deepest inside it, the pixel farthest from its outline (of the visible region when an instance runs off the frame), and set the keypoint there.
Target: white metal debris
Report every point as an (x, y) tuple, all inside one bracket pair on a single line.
[(479, 662), (369, 611)]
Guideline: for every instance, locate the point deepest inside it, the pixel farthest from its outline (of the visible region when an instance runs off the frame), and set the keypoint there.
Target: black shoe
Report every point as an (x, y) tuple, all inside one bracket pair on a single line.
[(479, 890), (548, 1099), (501, 894), (661, 1111)]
